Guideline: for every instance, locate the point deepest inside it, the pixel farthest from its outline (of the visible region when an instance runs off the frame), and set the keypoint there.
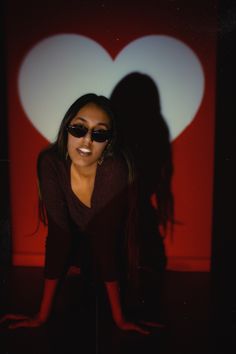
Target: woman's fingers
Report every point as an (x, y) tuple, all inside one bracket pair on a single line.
[(11, 316), (152, 324), (19, 324), (140, 330), (18, 320), (28, 323), (130, 326)]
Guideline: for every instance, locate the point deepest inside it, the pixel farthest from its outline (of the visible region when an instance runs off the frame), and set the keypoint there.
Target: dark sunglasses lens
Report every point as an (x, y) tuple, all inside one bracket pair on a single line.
[(77, 131), (101, 136)]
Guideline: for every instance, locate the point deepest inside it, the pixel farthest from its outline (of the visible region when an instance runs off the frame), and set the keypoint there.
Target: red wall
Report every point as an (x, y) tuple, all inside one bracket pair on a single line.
[(114, 25)]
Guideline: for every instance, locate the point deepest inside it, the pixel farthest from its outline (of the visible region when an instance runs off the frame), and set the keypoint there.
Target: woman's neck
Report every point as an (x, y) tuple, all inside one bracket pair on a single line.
[(87, 172)]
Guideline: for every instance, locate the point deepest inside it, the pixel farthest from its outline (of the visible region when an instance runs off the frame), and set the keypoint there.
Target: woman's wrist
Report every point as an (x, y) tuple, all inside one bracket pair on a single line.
[(50, 286), (119, 321), (41, 317), (113, 292)]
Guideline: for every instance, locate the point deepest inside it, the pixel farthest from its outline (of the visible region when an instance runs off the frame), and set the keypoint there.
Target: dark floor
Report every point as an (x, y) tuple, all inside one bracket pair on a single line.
[(81, 322)]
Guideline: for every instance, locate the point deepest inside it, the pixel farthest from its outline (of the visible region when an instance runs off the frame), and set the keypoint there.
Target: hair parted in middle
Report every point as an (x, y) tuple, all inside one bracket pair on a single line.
[(101, 102)]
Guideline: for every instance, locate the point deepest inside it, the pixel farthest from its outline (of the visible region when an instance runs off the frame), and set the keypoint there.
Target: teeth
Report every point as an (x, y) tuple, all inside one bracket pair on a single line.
[(85, 150)]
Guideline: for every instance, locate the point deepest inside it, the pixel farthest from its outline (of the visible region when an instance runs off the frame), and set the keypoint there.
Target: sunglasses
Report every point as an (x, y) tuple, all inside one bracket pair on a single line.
[(99, 135)]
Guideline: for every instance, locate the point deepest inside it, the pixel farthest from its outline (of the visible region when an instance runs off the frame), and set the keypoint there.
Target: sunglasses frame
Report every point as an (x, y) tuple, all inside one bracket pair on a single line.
[(106, 134)]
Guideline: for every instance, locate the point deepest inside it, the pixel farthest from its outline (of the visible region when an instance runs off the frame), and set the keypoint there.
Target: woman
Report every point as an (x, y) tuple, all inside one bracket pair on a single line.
[(84, 184)]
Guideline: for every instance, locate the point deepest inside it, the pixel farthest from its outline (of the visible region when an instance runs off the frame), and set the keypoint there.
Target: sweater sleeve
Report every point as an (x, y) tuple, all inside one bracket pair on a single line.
[(109, 222), (58, 239)]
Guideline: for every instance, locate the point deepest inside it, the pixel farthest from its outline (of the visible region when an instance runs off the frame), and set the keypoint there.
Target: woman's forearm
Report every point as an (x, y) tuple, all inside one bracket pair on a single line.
[(113, 292), (49, 291)]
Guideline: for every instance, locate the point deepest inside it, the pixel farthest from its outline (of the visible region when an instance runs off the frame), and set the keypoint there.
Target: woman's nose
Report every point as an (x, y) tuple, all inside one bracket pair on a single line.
[(88, 136)]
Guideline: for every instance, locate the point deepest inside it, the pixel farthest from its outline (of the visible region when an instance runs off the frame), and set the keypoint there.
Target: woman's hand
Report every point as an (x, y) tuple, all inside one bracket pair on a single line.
[(130, 326), (152, 324), (117, 313), (19, 321)]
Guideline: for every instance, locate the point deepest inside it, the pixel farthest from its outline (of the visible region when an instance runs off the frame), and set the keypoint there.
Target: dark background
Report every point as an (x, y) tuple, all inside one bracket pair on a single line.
[(223, 240), (5, 237), (223, 262)]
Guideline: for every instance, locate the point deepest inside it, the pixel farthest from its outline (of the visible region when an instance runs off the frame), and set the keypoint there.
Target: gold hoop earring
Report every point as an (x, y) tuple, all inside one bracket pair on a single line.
[(101, 159), (105, 153)]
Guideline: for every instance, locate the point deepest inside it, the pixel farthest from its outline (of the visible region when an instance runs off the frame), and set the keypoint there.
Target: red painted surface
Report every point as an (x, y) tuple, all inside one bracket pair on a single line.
[(113, 25)]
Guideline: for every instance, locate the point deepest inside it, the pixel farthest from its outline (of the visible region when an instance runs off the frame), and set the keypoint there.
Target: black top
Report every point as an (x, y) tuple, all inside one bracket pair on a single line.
[(94, 236)]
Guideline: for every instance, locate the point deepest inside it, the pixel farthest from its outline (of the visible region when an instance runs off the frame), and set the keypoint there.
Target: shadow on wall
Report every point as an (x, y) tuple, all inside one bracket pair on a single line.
[(144, 131)]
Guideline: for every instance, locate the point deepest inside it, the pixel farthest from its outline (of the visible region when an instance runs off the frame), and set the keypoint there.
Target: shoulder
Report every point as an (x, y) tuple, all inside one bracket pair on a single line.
[(49, 160), (48, 154), (112, 177), (111, 184), (116, 167)]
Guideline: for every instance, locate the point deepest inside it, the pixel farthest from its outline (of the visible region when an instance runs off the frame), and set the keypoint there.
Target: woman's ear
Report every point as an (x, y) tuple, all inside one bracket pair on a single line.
[(106, 152)]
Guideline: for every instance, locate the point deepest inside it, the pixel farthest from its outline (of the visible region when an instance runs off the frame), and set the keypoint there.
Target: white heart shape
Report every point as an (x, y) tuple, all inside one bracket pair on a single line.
[(61, 68)]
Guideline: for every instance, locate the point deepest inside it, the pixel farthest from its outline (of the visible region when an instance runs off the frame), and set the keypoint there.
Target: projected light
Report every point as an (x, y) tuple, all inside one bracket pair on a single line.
[(61, 68)]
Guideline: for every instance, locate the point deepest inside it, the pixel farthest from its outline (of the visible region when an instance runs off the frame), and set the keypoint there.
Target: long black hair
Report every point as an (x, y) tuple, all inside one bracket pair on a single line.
[(100, 101), (60, 145), (113, 147)]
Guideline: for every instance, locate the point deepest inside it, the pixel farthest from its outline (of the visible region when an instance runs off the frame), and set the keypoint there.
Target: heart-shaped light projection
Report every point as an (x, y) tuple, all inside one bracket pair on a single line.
[(59, 69)]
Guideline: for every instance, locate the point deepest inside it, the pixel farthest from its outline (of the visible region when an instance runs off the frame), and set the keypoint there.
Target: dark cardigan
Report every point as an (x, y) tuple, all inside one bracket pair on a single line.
[(90, 237)]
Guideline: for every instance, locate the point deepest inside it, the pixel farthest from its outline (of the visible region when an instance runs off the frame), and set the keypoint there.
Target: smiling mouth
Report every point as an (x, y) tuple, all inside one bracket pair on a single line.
[(84, 151)]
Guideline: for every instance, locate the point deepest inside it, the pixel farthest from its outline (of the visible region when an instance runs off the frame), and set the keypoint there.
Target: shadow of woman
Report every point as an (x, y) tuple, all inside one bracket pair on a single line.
[(144, 133)]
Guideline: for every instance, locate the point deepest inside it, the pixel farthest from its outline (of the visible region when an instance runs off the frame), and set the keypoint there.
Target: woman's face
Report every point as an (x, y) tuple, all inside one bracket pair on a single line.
[(84, 151)]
